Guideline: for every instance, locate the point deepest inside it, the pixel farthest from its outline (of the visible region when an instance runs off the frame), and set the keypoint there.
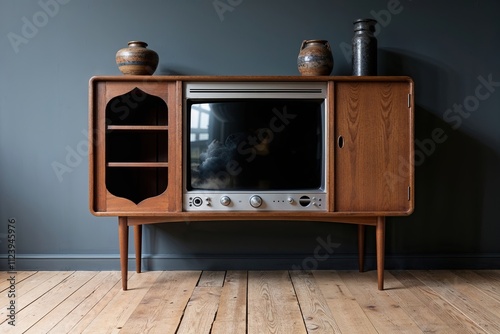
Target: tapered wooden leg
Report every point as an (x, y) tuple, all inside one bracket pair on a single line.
[(138, 247), (380, 234), (361, 247), (123, 240)]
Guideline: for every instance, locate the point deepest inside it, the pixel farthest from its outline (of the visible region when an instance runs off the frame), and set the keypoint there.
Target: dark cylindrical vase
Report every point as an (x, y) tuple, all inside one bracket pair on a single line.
[(364, 48)]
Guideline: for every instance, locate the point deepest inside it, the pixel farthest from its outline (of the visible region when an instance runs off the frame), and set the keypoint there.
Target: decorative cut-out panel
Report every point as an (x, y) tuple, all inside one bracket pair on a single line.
[(136, 146), (136, 108)]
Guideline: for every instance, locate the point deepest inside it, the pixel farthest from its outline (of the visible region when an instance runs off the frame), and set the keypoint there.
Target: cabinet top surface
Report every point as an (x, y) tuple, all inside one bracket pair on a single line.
[(161, 78)]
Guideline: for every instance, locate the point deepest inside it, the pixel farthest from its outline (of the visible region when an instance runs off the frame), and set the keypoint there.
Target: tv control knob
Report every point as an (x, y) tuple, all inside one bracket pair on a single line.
[(255, 201), (225, 200)]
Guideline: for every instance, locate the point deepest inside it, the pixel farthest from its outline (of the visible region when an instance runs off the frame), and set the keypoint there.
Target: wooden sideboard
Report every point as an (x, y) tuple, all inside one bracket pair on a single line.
[(369, 172)]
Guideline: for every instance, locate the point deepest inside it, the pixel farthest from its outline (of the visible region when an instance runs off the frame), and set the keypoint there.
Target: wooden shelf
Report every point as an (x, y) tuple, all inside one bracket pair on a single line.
[(138, 164), (138, 127)]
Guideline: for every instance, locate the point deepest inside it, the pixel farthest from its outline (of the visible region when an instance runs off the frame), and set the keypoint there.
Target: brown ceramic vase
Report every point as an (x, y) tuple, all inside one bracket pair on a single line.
[(137, 59), (315, 58)]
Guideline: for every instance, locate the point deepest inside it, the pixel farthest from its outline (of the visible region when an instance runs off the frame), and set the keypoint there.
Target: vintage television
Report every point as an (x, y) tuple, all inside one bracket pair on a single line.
[(255, 146)]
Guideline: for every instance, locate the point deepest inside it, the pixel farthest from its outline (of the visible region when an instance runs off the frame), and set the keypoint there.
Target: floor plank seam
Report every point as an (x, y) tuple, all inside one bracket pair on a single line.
[(297, 298), (246, 302)]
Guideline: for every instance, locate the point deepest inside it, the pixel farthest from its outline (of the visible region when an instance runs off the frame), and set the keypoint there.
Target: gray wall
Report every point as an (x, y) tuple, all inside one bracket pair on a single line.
[(50, 48)]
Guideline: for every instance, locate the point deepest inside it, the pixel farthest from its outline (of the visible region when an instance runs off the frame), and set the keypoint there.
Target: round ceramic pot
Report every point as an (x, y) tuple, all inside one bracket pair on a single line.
[(137, 59), (315, 58)]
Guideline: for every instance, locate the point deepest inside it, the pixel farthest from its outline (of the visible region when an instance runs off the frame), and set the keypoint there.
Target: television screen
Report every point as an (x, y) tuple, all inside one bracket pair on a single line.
[(255, 144)]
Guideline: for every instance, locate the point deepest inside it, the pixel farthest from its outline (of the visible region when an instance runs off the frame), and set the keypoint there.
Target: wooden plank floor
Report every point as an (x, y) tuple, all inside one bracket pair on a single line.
[(253, 302)]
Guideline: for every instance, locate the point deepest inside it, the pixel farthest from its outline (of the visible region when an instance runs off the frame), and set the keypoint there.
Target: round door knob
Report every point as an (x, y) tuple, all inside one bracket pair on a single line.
[(255, 201), (225, 200)]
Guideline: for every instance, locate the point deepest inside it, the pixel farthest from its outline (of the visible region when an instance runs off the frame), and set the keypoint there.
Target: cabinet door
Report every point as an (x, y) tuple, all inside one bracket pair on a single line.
[(373, 160), (135, 131)]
